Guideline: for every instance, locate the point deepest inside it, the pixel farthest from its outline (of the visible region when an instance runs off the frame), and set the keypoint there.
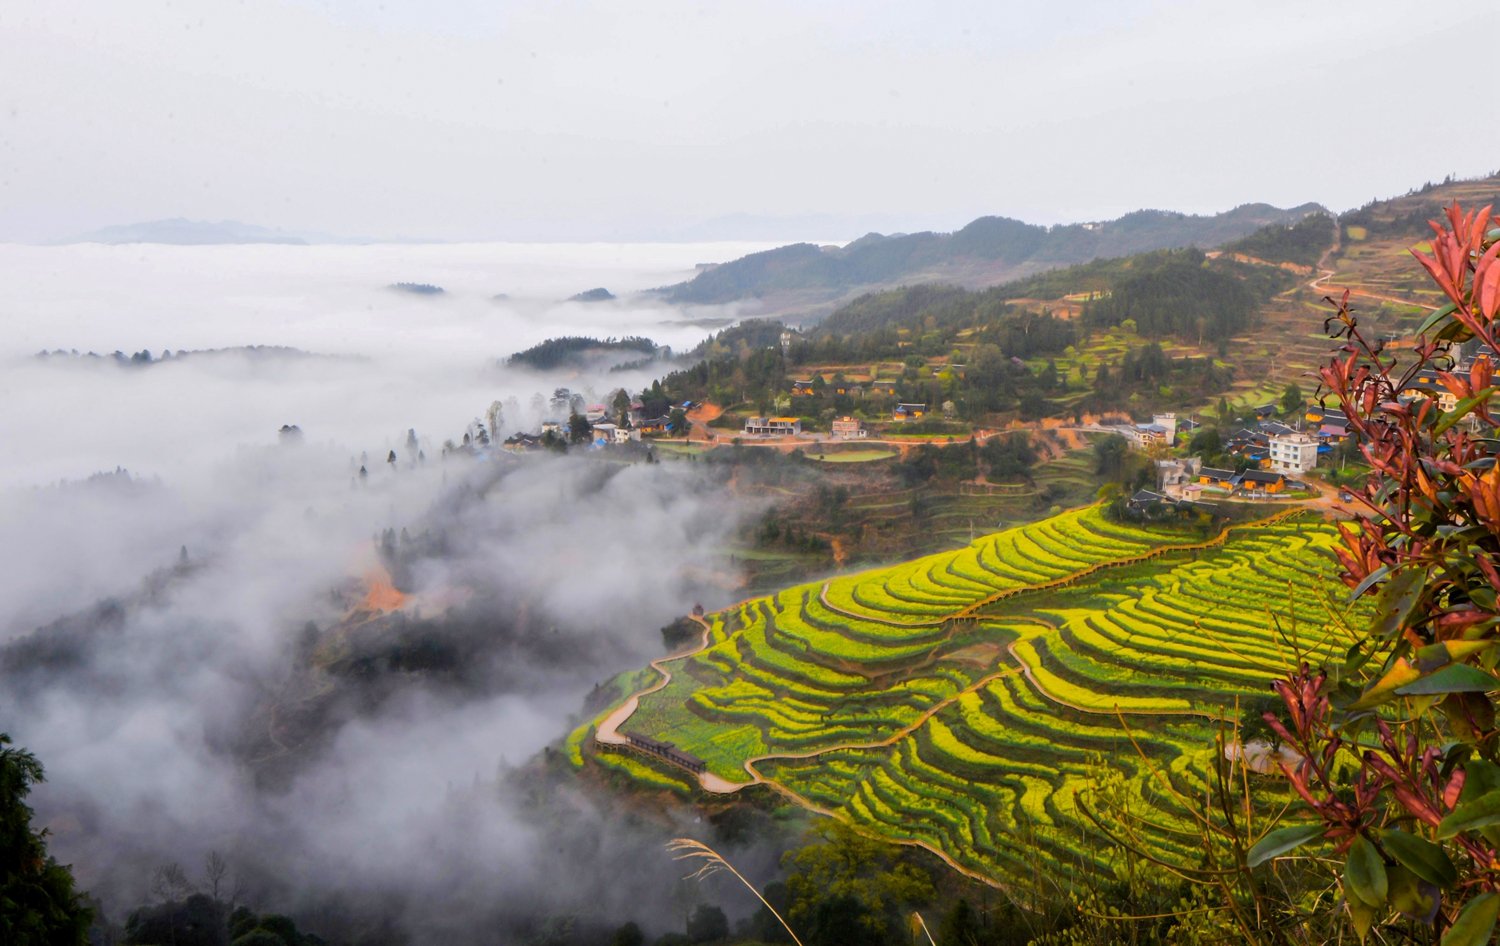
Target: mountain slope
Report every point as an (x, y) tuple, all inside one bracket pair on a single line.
[(805, 279)]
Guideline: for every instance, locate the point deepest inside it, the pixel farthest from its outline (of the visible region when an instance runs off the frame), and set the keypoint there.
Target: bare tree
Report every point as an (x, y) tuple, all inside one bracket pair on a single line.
[(169, 882), (215, 869)]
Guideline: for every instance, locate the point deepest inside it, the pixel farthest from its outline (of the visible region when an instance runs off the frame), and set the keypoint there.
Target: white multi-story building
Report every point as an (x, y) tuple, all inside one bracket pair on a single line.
[(1295, 452), (773, 426), (1167, 422)]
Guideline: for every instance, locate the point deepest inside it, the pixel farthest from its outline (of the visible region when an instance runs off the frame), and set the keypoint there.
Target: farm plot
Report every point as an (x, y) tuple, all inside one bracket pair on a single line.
[(1111, 657)]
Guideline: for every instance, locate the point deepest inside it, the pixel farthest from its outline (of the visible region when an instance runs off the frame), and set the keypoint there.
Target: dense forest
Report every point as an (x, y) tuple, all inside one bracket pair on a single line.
[(1180, 297), (1302, 243)]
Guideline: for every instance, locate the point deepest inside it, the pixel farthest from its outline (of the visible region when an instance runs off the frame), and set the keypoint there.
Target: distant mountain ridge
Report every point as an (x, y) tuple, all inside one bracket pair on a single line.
[(805, 278)]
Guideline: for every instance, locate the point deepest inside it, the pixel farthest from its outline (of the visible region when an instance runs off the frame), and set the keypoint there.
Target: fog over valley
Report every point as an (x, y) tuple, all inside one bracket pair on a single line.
[(745, 474), (404, 360), (220, 638)]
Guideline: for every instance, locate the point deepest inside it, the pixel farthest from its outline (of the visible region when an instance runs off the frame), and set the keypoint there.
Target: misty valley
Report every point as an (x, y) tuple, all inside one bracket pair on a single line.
[(747, 474)]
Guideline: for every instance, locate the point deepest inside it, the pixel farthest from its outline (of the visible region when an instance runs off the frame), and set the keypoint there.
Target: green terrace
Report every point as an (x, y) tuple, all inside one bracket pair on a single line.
[(975, 701)]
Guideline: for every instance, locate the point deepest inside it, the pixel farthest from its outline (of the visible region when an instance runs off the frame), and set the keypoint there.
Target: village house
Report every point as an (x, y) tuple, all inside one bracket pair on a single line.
[(803, 389), (1171, 475), (1247, 443), (522, 443), (1217, 478), (604, 432), (1162, 430), (1293, 453), (905, 412), (773, 426), (651, 425), (849, 428), (551, 427), (1262, 481), (881, 389), (1250, 481), (1318, 414), (1144, 499), (1427, 384)]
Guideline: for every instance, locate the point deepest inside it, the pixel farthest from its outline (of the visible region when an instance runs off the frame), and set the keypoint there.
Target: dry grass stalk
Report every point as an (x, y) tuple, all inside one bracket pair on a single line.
[(917, 923), (711, 862)]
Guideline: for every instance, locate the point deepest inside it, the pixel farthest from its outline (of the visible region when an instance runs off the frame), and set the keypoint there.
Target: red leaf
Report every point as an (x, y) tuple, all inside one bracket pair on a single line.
[(1458, 387), (1482, 371), (1454, 787), (1438, 272), (1487, 282)]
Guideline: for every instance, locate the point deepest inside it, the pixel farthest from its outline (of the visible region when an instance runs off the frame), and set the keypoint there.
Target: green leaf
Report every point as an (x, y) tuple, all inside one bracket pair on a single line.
[(1454, 331), (1397, 598), (1364, 874), (1378, 574), (1467, 816), (1437, 317), (1475, 924), (1281, 841), (1480, 778), (1454, 678), (1420, 856), (1461, 410), (1433, 656), (1362, 915), (1400, 674), (1409, 893)]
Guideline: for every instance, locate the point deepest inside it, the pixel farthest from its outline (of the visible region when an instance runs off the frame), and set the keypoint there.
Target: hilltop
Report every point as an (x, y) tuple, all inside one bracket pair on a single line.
[(803, 279)]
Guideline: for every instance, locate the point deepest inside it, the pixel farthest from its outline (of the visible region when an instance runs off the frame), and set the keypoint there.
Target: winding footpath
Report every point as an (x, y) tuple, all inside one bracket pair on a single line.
[(608, 731)]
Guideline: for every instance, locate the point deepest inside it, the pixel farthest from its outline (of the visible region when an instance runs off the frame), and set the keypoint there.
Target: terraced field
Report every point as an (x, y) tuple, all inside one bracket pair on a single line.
[(974, 701)]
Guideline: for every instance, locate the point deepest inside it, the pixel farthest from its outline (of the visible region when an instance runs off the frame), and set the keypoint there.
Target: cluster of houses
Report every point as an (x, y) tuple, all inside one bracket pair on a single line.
[(1285, 448), (604, 431), (1268, 444), (902, 411), (1186, 478), (843, 428), (809, 388)]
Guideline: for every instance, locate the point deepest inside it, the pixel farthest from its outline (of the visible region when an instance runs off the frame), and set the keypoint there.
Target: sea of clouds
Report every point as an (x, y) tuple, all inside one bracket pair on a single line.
[(141, 707)]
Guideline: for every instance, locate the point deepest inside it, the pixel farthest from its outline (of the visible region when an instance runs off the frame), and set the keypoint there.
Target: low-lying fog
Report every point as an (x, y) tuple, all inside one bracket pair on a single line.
[(170, 698)]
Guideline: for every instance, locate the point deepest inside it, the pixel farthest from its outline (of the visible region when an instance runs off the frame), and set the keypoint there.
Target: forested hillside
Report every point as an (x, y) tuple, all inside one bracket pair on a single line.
[(989, 251)]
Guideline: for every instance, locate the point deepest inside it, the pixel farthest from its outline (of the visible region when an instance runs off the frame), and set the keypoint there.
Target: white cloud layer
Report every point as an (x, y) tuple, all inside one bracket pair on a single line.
[(172, 708)]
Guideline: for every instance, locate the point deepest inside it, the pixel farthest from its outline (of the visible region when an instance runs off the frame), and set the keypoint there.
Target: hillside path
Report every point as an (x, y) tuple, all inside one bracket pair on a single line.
[(608, 730)]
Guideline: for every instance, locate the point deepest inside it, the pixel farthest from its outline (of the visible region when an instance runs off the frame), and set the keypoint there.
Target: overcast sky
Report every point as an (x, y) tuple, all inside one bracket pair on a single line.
[(473, 119)]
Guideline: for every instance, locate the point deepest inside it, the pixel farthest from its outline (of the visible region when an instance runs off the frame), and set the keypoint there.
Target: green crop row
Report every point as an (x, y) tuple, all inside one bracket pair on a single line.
[(1125, 643)]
